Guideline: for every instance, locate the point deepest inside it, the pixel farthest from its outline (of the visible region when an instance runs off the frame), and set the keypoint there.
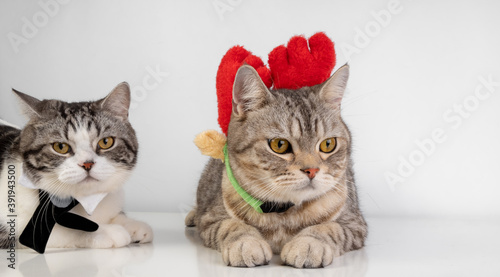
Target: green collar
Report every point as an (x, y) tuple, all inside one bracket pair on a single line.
[(258, 205), (255, 203)]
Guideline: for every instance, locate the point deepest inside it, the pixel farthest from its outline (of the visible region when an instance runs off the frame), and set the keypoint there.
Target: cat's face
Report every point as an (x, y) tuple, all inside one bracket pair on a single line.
[(78, 149), (288, 145)]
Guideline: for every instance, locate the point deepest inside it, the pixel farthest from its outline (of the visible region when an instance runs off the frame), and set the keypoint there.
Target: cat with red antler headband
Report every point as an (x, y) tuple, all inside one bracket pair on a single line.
[(280, 179)]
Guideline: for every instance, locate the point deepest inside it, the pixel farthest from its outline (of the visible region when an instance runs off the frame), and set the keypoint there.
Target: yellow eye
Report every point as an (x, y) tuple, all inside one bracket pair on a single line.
[(280, 146), (328, 145), (61, 147), (106, 143)]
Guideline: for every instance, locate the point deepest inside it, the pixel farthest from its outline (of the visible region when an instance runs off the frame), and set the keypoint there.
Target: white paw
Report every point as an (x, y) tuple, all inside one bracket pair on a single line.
[(139, 231), (247, 251), (306, 252), (109, 236)]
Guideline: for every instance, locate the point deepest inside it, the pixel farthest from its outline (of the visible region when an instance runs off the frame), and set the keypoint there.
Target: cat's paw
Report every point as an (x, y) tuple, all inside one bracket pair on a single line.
[(247, 252), (109, 236), (189, 220), (306, 252), (139, 231)]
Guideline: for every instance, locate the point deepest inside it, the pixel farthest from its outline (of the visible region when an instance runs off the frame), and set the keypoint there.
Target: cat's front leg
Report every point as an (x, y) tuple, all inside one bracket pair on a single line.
[(241, 244), (106, 236), (317, 245), (140, 232)]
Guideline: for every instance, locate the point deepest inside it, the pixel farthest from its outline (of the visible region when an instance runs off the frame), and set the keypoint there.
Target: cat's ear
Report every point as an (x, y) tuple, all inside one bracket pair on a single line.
[(333, 89), (249, 92), (29, 104), (118, 101)]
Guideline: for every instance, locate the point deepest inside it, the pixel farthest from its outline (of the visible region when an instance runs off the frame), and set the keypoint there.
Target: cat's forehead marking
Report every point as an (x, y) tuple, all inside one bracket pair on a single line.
[(318, 126), (82, 133), (304, 126), (77, 109), (296, 128), (303, 116)]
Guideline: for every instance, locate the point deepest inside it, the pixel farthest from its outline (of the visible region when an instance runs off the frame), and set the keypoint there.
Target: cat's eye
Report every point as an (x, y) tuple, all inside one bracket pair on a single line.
[(61, 147), (106, 143), (328, 145), (280, 146)]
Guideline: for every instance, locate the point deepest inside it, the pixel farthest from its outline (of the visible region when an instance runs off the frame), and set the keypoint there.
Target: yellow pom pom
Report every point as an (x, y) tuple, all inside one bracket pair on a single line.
[(211, 143)]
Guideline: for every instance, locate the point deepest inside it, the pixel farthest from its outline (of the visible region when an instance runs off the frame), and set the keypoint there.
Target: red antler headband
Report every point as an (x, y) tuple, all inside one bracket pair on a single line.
[(301, 63)]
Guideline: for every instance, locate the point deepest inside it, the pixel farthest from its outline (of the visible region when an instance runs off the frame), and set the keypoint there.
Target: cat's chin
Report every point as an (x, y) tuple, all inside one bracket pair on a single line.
[(80, 180), (305, 191), (88, 179), (306, 185)]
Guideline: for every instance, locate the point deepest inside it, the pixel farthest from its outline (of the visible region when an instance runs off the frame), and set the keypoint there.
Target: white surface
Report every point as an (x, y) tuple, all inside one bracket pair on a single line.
[(395, 247), (405, 77)]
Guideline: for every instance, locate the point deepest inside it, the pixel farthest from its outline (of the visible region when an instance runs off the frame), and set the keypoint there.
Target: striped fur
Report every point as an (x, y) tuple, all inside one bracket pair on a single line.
[(9, 141), (325, 221)]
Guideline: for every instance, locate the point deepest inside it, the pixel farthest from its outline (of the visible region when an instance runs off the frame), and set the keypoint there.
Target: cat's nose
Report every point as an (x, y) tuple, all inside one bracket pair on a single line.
[(87, 165), (310, 172)]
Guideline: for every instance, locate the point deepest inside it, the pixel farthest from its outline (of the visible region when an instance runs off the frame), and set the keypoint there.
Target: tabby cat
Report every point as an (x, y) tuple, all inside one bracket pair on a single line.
[(82, 150), (289, 149)]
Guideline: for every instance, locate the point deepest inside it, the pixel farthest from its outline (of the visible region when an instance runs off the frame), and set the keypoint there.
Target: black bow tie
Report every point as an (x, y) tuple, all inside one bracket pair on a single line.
[(36, 233), (275, 207)]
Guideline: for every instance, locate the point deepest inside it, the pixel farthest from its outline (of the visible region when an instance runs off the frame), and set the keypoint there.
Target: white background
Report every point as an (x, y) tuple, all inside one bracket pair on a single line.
[(407, 72)]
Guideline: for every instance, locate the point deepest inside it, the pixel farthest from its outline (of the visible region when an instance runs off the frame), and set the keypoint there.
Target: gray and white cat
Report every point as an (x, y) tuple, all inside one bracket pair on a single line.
[(291, 150), (84, 151)]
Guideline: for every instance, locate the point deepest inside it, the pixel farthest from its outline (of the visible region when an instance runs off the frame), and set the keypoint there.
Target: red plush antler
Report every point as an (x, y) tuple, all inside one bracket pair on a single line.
[(234, 58), (298, 65)]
